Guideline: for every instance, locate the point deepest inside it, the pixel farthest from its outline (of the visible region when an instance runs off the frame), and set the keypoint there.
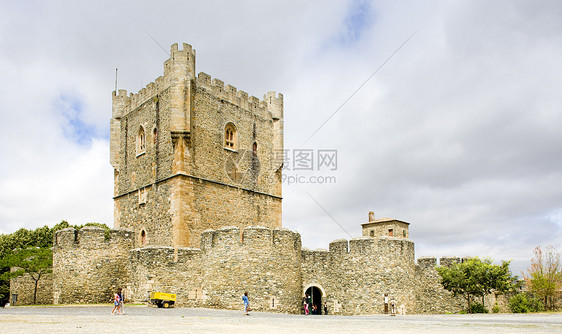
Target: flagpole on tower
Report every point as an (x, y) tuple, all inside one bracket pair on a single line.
[(116, 80)]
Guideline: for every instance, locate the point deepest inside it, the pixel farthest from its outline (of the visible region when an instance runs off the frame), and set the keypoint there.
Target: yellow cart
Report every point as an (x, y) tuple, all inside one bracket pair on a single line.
[(162, 299)]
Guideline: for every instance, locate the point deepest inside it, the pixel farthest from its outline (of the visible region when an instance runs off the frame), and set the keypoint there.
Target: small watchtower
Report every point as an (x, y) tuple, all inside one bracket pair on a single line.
[(385, 227)]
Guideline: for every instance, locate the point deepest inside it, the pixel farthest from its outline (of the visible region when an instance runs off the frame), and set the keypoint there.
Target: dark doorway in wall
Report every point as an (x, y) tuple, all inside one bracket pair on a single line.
[(315, 299)]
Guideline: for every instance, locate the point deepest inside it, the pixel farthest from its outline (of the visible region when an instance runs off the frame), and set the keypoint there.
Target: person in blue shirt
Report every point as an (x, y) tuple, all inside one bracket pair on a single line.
[(246, 303)]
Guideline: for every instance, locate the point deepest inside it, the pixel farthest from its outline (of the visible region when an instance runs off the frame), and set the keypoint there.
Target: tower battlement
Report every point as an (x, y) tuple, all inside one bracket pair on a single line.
[(178, 68), (181, 67), (270, 106)]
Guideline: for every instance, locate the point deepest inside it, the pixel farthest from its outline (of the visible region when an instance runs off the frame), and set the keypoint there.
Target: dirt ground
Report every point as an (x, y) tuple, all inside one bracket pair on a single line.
[(143, 319)]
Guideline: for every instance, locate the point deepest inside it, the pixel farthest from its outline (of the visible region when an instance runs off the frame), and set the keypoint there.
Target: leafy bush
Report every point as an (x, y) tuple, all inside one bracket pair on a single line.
[(496, 308), (519, 303), (536, 305), (478, 308)]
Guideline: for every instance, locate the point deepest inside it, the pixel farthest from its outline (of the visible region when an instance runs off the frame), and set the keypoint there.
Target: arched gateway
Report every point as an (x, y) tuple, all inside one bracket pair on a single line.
[(316, 296)]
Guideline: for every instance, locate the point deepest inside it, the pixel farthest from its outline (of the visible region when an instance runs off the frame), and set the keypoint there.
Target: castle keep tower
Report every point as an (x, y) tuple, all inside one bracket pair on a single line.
[(190, 154)]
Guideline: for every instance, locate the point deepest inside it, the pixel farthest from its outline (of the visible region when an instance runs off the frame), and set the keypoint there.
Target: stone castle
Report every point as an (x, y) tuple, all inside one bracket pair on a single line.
[(198, 213)]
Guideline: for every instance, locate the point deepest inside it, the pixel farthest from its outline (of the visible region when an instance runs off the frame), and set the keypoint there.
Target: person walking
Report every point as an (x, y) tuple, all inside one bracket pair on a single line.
[(392, 307), (116, 302), (246, 303), (121, 301)]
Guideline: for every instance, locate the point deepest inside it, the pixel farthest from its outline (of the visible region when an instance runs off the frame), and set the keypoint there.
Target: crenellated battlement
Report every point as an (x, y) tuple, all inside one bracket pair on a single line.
[(430, 262), (381, 246), (179, 67), (319, 255), (181, 61), (124, 104), (339, 246), (92, 237), (252, 237), (427, 262), (362, 245), (447, 261), (271, 106)]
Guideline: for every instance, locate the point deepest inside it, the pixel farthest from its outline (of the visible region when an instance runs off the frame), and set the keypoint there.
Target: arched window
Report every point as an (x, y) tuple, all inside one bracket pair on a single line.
[(141, 141), (155, 136), (230, 137)]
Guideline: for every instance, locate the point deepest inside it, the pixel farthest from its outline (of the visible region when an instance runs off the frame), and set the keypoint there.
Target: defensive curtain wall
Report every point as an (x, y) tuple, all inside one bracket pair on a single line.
[(352, 276)]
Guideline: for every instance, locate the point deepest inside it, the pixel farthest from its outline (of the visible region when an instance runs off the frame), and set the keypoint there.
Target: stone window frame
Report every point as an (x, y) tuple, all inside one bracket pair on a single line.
[(390, 232), (141, 141), (230, 141)]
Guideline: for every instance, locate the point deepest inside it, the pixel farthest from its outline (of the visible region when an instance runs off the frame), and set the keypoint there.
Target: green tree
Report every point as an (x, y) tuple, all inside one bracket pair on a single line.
[(544, 275), (490, 277), (34, 261), (475, 277)]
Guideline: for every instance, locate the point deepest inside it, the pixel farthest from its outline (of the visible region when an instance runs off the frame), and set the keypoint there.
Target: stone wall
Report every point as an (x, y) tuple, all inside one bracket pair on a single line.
[(255, 170), (371, 268), (430, 295), (24, 287), (165, 269), (154, 217), (355, 275), (87, 266), (352, 277), (264, 262)]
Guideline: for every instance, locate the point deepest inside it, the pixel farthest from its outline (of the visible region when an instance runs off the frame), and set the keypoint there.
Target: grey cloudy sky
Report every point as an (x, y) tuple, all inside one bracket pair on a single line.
[(458, 133)]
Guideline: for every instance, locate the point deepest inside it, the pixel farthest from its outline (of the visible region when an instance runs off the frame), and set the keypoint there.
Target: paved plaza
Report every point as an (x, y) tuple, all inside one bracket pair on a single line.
[(143, 319)]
